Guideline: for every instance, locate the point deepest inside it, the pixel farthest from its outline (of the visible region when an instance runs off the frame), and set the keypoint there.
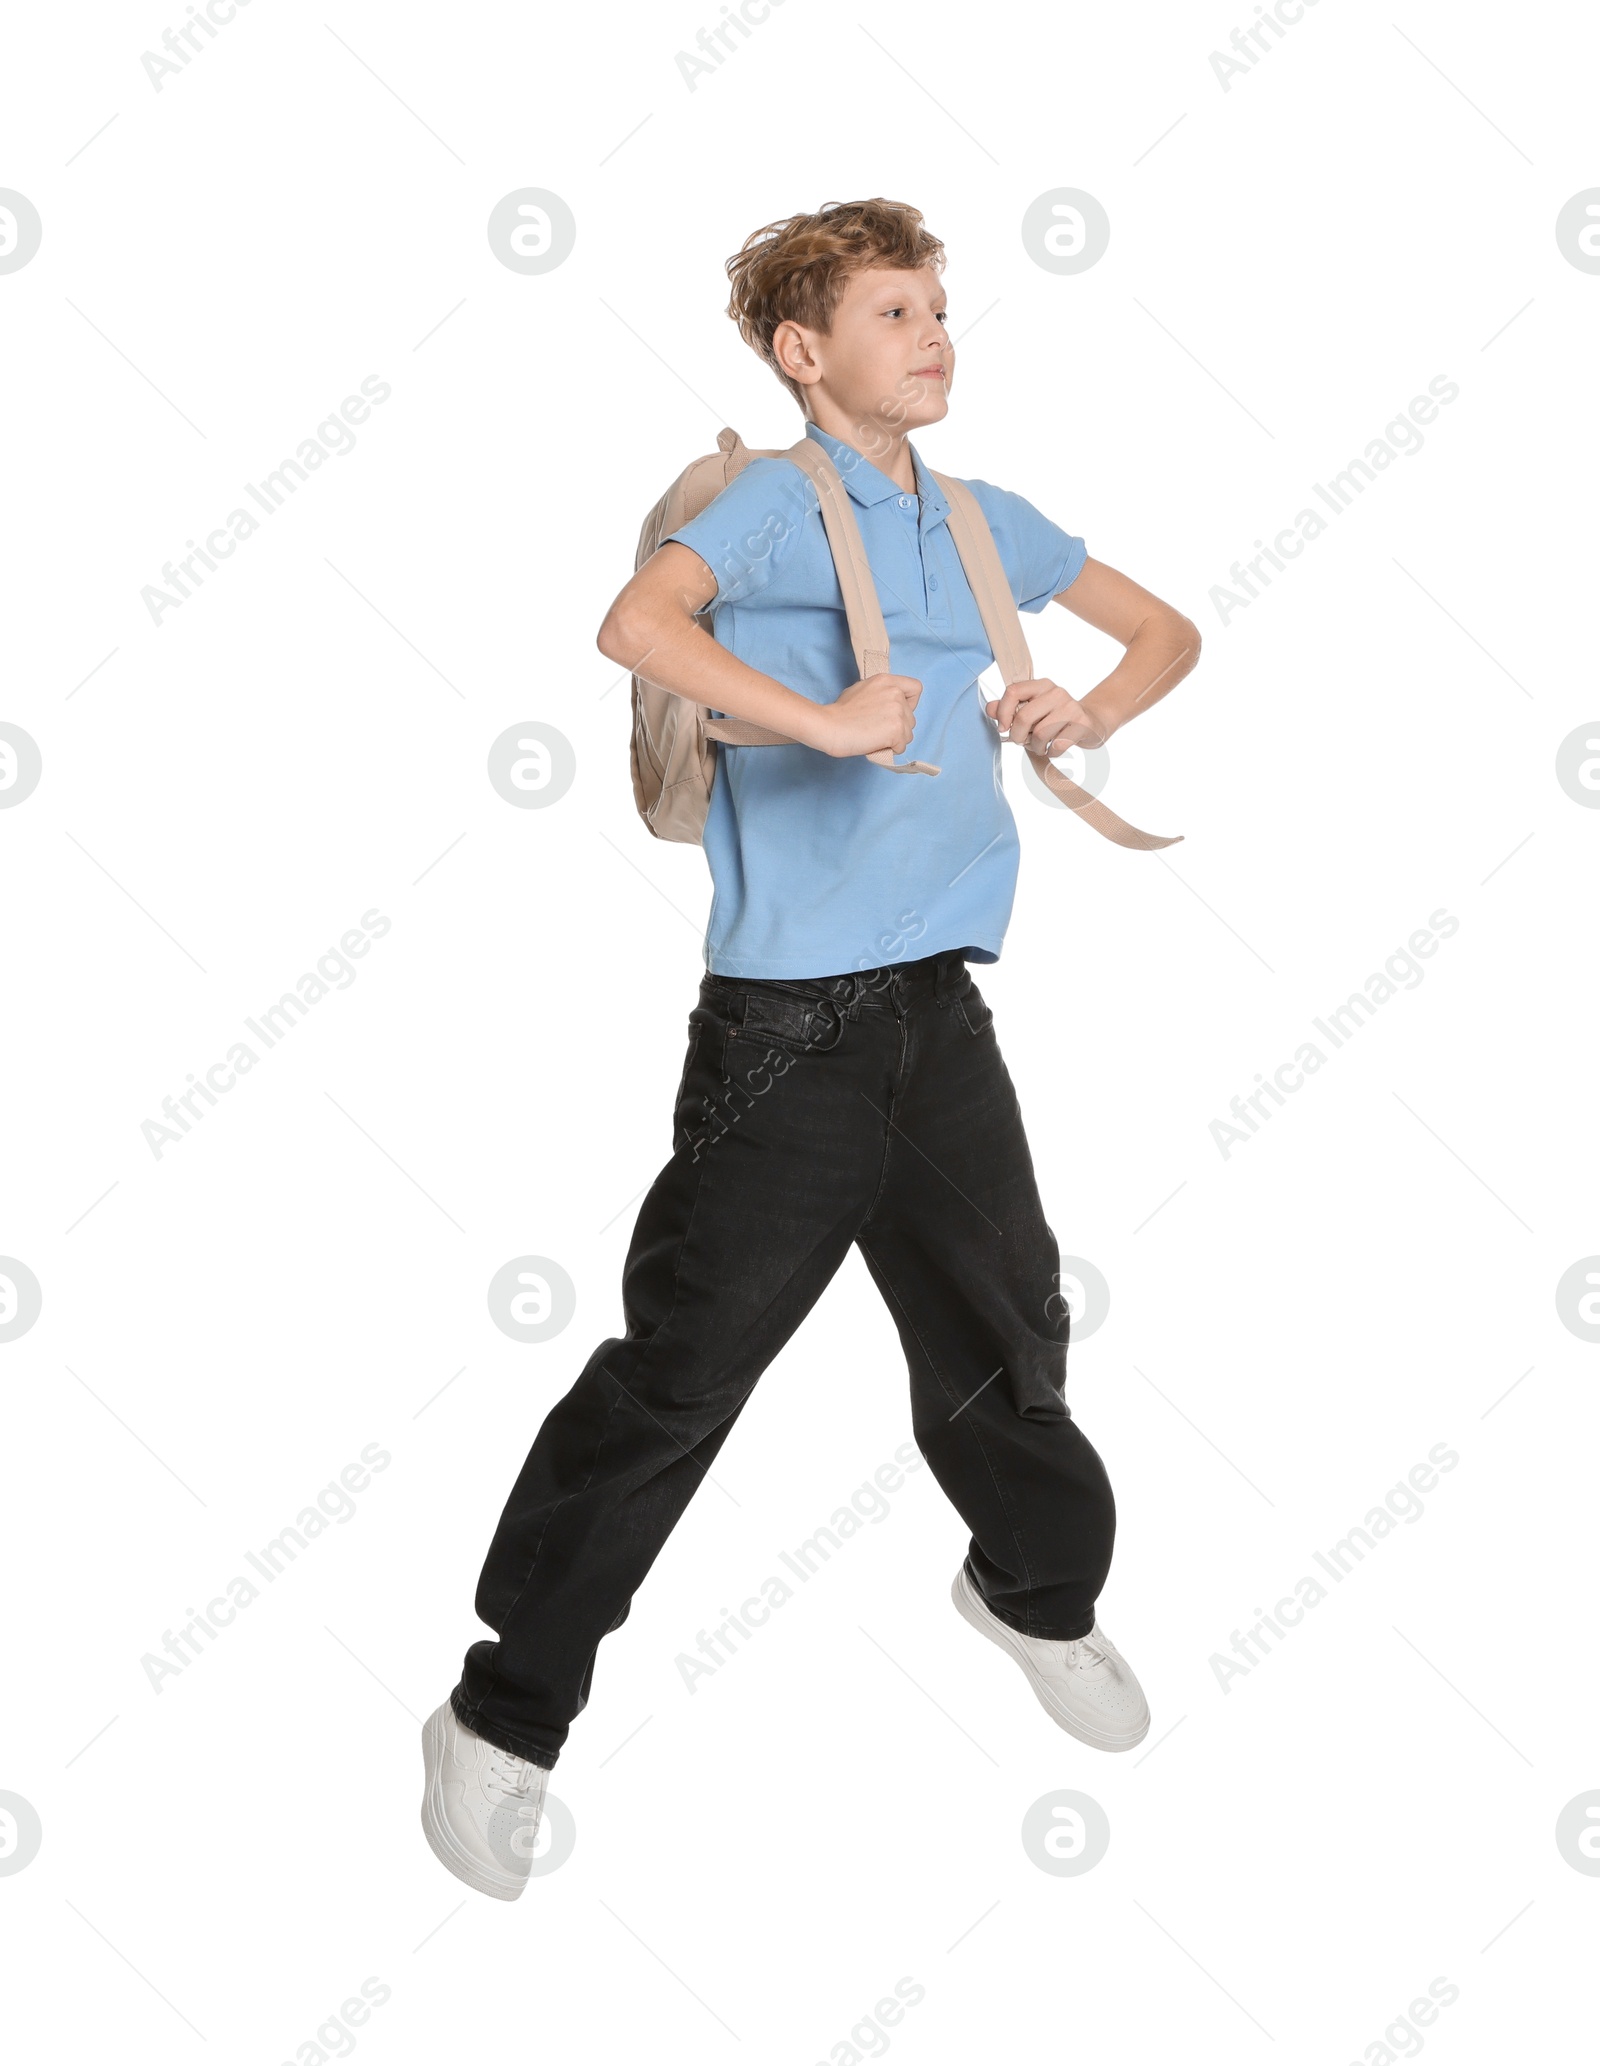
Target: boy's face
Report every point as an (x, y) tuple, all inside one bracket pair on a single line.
[(888, 358)]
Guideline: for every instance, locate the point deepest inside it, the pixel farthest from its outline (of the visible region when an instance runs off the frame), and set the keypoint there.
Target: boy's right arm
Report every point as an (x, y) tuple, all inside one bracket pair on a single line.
[(650, 630)]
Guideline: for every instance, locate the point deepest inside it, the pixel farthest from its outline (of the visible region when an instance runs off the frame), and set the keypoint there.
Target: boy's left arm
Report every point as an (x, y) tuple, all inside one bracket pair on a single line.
[(1161, 646)]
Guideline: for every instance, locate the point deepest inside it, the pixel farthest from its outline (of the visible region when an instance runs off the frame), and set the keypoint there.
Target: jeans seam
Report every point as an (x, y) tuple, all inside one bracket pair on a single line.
[(983, 1448), (621, 1391), (533, 1561), (888, 1143)]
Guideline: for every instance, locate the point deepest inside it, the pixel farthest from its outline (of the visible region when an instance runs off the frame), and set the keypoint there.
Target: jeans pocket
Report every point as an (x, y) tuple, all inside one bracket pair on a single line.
[(761, 1021), (688, 1060), (975, 1011), (679, 1113)]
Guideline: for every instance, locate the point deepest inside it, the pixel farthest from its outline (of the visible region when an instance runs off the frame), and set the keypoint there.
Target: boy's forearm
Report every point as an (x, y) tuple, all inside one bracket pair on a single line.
[(675, 653), (1160, 653)]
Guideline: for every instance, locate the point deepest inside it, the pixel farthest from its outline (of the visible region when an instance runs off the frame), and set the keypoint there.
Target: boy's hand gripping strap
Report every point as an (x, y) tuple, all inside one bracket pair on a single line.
[(975, 547)]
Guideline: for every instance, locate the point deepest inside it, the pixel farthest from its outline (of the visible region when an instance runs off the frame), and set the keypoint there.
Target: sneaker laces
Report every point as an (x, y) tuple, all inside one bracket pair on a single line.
[(509, 1772), (1086, 1654)]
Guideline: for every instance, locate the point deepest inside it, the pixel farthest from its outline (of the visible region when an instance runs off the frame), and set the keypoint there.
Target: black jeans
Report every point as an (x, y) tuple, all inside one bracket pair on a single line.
[(871, 1108)]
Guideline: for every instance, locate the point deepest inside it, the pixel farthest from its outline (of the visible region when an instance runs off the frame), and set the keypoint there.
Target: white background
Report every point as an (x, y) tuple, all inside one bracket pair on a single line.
[(1292, 1327)]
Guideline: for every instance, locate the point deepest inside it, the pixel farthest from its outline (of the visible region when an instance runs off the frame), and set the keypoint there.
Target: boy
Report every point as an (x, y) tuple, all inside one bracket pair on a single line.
[(874, 1106)]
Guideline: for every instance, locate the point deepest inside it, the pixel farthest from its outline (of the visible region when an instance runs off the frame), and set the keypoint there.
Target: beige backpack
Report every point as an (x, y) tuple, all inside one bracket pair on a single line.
[(673, 757)]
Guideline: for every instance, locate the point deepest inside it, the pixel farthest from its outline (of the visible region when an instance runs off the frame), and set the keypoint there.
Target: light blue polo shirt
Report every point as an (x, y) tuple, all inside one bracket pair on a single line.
[(824, 866)]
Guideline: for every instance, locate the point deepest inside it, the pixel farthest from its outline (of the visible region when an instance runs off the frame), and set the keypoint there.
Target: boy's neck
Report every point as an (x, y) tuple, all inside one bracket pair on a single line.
[(888, 450)]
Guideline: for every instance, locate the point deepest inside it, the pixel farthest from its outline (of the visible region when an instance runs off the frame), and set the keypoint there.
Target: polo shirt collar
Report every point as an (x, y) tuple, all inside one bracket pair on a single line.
[(867, 485)]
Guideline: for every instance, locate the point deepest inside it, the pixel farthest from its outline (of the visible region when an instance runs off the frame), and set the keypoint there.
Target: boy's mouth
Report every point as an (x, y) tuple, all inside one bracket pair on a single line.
[(928, 373)]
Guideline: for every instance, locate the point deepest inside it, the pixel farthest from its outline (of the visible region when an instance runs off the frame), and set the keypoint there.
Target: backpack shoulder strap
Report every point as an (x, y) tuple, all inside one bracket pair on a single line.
[(869, 640), (975, 548), (868, 636), (991, 591)]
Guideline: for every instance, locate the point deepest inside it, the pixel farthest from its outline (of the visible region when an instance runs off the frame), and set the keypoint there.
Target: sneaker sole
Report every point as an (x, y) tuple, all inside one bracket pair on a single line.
[(973, 1612), (442, 1840)]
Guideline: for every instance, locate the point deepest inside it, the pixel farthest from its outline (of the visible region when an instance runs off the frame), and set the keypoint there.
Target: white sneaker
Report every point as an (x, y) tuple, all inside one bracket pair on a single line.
[(480, 1806), (1086, 1686)]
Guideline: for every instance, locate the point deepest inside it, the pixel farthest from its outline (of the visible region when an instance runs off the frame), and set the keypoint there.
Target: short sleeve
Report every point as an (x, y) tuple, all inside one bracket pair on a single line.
[(747, 533), (1040, 559)]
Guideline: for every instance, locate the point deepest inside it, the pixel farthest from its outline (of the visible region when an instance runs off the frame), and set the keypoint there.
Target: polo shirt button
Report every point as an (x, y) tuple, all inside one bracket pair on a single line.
[(905, 501), (933, 581)]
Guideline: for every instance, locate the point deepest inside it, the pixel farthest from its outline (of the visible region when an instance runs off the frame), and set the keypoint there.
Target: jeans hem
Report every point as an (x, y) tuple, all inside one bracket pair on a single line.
[(502, 1739), (1018, 1627)]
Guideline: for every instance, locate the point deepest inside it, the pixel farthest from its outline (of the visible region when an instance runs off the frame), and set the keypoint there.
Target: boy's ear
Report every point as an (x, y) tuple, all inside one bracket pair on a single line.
[(793, 353)]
